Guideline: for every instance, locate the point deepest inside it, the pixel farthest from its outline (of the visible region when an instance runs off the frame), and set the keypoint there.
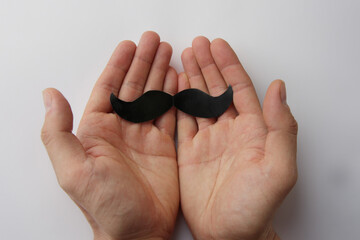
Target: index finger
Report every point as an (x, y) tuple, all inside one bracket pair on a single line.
[(111, 78), (245, 98)]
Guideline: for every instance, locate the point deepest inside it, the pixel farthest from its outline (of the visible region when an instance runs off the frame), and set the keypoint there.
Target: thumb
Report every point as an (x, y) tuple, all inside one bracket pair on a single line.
[(64, 149), (280, 148)]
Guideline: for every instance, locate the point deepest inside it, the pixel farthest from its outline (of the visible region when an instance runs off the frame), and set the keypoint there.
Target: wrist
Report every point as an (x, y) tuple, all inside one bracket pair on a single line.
[(109, 238), (106, 237)]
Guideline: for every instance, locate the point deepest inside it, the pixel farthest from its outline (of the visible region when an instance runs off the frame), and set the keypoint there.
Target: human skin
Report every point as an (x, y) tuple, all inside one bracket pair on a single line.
[(234, 171), (122, 175)]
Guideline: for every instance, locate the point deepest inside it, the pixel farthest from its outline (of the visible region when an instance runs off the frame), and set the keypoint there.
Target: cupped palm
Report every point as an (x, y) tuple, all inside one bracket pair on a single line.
[(235, 170), (122, 175)]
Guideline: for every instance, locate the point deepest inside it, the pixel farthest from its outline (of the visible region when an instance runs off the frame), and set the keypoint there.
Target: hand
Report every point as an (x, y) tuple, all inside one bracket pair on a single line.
[(235, 170), (122, 175)]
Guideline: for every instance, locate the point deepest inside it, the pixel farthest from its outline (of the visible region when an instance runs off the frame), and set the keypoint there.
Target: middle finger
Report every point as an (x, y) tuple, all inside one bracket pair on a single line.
[(196, 80)]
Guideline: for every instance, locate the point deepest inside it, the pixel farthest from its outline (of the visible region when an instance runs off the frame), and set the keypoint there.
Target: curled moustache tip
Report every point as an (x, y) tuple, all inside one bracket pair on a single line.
[(200, 104), (149, 106)]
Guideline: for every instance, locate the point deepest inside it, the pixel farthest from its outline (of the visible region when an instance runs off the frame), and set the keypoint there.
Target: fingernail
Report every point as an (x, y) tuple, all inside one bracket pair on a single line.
[(283, 93), (47, 100)]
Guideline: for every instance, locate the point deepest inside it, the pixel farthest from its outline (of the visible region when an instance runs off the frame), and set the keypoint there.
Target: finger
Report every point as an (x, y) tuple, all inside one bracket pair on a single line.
[(135, 79), (64, 149), (159, 68), (111, 78), (245, 98), (280, 145), (196, 80), (213, 78), (186, 124), (166, 123)]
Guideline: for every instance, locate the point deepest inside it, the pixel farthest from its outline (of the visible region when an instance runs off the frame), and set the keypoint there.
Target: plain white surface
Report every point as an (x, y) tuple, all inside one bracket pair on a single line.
[(312, 45)]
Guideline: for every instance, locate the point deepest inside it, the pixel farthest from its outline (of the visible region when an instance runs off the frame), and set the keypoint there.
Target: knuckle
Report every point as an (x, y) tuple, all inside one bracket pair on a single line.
[(46, 136), (70, 180), (108, 86), (284, 178), (293, 126), (289, 176), (292, 179), (135, 85), (66, 184)]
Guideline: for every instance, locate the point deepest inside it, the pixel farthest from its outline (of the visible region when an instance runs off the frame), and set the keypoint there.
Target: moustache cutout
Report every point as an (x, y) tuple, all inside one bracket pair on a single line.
[(153, 104)]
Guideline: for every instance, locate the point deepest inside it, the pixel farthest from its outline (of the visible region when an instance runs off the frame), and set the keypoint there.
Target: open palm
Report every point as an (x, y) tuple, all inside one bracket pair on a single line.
[(122, 175), (235, 170)]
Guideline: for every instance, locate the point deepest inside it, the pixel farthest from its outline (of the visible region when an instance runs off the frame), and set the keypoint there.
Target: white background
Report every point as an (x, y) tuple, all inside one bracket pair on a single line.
[(312, 45)]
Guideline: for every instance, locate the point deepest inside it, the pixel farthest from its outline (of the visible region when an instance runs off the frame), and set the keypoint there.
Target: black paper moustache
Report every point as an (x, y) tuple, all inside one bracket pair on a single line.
[(153, 104)]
